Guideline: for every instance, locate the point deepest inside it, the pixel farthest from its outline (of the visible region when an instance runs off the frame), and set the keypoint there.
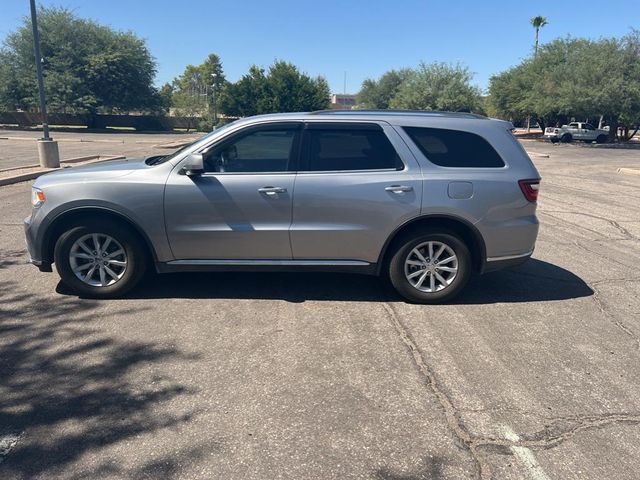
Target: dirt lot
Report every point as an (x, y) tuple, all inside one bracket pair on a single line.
[(533, 373)]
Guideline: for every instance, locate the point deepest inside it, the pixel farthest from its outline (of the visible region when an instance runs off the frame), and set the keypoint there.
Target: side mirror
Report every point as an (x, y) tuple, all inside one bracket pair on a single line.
[(193, 165)]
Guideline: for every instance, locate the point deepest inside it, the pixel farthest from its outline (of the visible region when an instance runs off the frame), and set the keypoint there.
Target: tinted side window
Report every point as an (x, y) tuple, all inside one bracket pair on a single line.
[(345, 149), (259, 151), (452, 148)]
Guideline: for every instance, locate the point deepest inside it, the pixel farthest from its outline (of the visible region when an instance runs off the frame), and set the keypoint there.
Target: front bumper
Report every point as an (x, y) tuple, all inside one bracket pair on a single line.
[(35, 253)]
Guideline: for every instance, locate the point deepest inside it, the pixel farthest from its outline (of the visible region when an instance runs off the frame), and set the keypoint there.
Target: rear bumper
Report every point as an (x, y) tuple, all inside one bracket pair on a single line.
[(511, 237), (498, 263)]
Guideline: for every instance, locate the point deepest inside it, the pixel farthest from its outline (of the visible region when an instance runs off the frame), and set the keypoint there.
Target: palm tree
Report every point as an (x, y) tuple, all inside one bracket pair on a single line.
[(538, 22)]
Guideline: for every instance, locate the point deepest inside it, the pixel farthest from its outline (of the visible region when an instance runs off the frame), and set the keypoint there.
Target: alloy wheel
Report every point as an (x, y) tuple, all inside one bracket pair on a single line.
[(431, 266), (98, 259)]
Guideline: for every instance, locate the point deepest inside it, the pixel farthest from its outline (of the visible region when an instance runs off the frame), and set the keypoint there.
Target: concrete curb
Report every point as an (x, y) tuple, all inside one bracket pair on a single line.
[(629, 171), (37, 170), (177, 144), (153, 143), (25, 176)]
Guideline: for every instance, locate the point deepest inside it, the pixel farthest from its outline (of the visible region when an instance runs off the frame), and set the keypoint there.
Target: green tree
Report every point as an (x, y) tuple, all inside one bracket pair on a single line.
[(537, 23), (505, 97), (190, 106), (203, 83), (572, 77), (165, 95), (87, 67), (630, 70), (438, 86), (523, 92), (248, 96), (293, 91), (282, 89), (377, 94)]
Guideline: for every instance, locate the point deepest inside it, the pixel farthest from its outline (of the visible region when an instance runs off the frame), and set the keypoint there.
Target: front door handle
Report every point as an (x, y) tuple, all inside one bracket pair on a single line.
[(399, 188), (272, 191)]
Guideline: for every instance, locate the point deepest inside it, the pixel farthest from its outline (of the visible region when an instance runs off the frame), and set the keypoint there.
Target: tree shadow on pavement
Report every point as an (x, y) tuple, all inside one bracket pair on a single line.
[(535, 281), (9, 258), (162, 467), (67, 388)]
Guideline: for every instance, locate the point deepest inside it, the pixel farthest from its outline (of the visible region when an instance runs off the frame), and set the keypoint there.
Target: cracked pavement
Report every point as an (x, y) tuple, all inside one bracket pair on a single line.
[(532, 373)]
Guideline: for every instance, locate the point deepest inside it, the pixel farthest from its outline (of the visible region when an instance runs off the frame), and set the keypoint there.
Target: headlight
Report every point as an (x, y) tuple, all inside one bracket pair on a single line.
[(37, 197)]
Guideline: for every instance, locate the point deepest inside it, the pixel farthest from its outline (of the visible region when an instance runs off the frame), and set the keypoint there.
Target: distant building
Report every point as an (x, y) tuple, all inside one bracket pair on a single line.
[(343, 101)]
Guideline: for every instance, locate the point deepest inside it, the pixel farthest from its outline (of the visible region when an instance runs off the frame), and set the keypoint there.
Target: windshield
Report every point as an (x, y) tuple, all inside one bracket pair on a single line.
[(165, 158)]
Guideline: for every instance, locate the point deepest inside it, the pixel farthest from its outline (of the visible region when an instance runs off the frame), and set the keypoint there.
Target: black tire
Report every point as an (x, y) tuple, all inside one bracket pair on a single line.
[(601, 139), (396, 270), (566, 138), (554, 140), (136, 259)]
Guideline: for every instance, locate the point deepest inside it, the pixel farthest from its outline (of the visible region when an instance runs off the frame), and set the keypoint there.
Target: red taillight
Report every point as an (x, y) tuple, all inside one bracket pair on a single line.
[(530, 189)]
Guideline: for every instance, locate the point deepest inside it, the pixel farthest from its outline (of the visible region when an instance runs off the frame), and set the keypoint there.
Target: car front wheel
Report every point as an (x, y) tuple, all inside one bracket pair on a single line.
[(99, 260), (430, 267)]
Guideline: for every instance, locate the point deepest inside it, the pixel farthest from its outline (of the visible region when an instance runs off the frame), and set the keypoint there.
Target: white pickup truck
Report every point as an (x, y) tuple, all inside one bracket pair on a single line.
[(584, 132)]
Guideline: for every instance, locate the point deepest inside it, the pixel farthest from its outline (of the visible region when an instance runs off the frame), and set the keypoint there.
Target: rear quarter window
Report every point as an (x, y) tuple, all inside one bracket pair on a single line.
[(454, 148), (346, 149)]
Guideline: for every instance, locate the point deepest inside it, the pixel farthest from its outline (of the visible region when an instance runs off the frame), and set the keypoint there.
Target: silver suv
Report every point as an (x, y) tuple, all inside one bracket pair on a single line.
[(425, 199)]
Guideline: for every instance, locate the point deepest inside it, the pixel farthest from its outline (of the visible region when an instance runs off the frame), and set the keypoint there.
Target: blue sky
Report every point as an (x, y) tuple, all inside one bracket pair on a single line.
[(328, 37)]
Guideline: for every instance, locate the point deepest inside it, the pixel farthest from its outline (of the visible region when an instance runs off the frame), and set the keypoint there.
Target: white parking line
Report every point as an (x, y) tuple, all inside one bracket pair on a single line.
[(525, 456)]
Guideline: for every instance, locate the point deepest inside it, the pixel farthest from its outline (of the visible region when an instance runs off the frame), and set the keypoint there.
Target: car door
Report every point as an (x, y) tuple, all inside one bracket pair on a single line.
[(576, 131), (352, 191), (240, 207), (588, 132)]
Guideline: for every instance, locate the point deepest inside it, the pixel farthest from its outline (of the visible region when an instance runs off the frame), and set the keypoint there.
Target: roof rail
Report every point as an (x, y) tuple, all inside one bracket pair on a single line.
[(431, 113)]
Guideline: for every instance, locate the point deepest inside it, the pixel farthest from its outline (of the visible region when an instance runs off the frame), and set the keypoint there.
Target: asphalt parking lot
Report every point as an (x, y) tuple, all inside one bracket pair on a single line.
[(18, 149), (533, 373)]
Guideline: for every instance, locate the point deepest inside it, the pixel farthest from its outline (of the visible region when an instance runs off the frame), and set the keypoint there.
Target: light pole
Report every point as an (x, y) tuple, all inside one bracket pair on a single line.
[(215, 105), (47, 148)]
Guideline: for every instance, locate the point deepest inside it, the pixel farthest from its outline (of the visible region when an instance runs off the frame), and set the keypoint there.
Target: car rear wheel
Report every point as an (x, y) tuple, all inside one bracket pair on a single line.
[(100, 260), (566, 138), (601, 139), (430, 267)]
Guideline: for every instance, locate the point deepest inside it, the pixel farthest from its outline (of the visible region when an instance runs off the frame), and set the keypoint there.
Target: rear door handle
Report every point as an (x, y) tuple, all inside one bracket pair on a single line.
[(399, 188), (271, 191)]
